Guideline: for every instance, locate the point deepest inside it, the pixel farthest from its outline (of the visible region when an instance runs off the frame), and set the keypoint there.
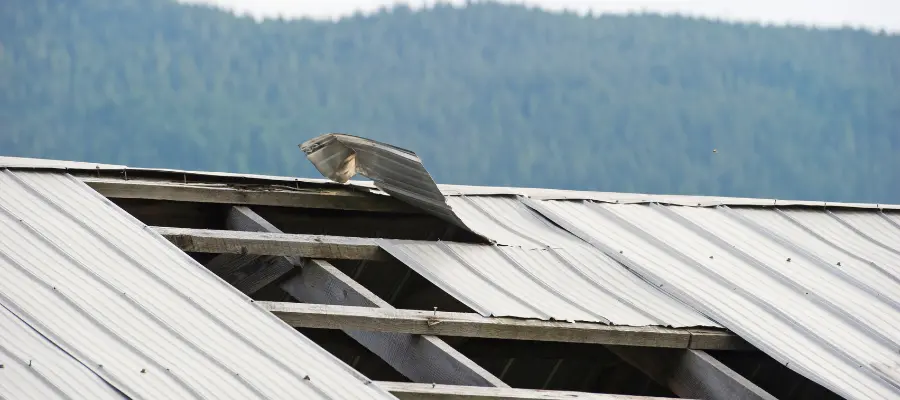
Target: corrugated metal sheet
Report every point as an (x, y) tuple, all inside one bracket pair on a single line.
[(138, 312), (35, 368), (397, 171), (542, 272), (796, 284)]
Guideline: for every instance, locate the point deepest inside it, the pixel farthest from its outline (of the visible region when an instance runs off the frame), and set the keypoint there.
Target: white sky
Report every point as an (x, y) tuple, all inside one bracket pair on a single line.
[(871, 14)]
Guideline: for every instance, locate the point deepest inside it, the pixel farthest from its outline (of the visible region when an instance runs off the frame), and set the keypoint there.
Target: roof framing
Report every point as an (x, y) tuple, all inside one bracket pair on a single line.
[(428, 391), (440, 323), (420, 358), (340, 198)]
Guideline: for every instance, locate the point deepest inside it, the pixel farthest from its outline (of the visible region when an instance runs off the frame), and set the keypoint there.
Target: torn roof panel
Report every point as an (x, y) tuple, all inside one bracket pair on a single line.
[(560, 284), (396, 171), (561, 276), (140, 313), (776, 292)]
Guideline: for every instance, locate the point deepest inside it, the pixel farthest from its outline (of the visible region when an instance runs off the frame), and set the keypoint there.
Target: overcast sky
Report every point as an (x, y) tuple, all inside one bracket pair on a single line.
[(872, 14)]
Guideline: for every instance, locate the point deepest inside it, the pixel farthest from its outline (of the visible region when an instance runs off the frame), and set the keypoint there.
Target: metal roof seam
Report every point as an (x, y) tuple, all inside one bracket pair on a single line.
[(110, 286), (86, 339), (887, 273), (775, 350), (790, 282), (743, 292), (825, 265), (9, 355), (480, 209), (861, 233), (590, 281), (227, 287), (895, 224), (31, 320), (552, 289), (450, 251)]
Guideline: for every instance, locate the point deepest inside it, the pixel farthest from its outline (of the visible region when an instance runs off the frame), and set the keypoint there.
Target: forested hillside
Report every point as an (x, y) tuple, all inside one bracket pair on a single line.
[(487, 94)]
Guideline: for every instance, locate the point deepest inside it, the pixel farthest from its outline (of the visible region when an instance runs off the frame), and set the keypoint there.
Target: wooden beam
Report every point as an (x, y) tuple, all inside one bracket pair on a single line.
[(691, 373), (274, 244), (260, 195), (421, 358), (426, 391), (441, 323)]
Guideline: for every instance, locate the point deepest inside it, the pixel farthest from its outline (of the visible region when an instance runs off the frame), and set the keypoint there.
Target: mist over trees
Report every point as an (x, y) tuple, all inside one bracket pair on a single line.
[(487, 94)]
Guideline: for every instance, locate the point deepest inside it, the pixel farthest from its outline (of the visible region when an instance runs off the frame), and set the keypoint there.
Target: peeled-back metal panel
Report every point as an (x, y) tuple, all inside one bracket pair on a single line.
[(141, 314)]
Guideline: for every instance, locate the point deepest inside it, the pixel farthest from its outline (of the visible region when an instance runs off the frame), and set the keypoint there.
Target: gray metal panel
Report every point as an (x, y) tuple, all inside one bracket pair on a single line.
[(397, 171), (576, 283), (140, 313), (35, 368), (764, 280), (39, 163)]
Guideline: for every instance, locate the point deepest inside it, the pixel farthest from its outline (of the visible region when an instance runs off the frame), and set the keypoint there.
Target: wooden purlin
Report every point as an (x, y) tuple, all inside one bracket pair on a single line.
[(419, 358), (440, 323), (703, 375)]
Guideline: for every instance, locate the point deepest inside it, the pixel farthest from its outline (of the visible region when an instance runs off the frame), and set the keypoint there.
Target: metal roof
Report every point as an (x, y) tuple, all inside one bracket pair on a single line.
[(35, 368), (541, 271), (136, 311), (458, 190), (816, 290), (396, 171)]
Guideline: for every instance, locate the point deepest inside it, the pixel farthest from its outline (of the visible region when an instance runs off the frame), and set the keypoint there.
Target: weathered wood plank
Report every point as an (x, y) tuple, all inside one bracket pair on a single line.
[(421, 358), (691, 373), (274, 244), (441, 323), (425, 391), (341, 199)]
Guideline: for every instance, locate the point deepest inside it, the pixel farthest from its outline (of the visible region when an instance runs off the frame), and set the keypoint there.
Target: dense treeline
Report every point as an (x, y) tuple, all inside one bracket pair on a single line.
[(487, 94)]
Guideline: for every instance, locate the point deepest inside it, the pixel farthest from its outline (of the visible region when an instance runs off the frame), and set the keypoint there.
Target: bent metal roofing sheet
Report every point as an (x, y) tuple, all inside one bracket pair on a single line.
[(540, 271), (815, 290), (136, 311)]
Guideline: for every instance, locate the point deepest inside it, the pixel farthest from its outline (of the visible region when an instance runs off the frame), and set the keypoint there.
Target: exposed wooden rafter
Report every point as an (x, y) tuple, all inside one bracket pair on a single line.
[(274, 244), (473, 325), (284, 196), (419, 358)]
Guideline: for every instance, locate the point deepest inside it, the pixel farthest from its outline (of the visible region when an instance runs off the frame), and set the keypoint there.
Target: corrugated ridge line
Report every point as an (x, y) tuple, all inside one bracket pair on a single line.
[(827, 267), (847, 239), (773, 342), (716, 276), (179, 336), (400, 250), (875, 265), (288, 341), (834, 336), (562, 239), (160, 247), (455, 255), (35, 322), (863, 234), (627, 303), (838, 308), (260, 315), (865, 272), (60, 366), (551, 289), (45, 381), (493, 218), (501, 213)]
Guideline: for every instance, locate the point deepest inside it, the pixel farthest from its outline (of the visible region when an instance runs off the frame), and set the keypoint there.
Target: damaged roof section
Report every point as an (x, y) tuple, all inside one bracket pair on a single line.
[(398, 172)]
